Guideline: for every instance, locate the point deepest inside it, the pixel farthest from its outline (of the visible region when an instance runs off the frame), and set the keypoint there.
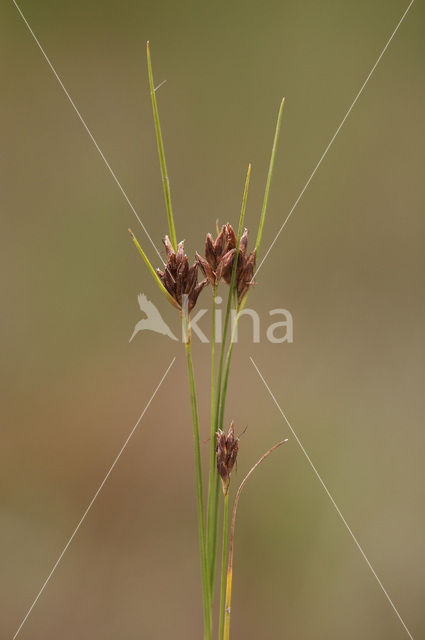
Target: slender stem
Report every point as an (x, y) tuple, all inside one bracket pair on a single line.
[(218, 412), (213, 361), (226, 373), (161, 153), (269, 176), (227, 609), (229, 357), (223, 563), (213, 469), (214, 544), (199, 490)]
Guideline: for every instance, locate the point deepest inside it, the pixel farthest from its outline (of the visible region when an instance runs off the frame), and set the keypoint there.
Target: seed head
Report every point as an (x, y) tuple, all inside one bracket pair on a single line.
[(227, 448), (244, 269), (220, 257), (178, 277), (216, 251)]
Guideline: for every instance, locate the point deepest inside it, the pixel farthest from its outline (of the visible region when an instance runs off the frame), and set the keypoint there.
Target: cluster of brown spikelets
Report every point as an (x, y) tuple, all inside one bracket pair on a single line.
[(180, 279)]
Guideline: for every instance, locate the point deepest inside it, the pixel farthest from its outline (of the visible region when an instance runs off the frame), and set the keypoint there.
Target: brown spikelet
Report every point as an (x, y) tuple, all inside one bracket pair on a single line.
[(227, 448), (179, 278), (215, 251), (244, 269)]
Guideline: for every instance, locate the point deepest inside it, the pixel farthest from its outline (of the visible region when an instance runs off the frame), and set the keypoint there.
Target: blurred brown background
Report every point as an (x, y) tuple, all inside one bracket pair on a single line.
[(349, 266)]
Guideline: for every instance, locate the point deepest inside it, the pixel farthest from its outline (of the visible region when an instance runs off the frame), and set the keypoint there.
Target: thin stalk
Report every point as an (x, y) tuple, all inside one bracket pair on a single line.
[(214, 544), (213, 357), (213, 469), (226, 374), (229, 358), (215, 497), (161, 153), (199, 490), (227, 606), (223, 563), (269, 176)]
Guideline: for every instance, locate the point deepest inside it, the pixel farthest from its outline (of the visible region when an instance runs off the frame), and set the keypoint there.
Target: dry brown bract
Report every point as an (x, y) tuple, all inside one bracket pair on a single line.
[(227, 448), (179, 278)]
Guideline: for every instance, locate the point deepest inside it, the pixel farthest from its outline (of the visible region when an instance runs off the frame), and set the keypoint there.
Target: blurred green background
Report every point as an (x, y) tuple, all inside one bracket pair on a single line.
[(349, 266)]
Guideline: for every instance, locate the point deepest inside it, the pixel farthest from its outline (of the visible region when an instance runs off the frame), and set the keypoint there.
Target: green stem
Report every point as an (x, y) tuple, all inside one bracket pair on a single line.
[(229, 357), (226, 373), (215, 531), (269, 176), (161, 153), (214, 527), (213, 470), (223, 563), (199, 490), (213, 360)]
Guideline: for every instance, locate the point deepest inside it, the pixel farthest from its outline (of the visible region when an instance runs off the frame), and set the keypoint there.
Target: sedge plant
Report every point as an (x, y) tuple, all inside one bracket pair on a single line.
[(227, 261)]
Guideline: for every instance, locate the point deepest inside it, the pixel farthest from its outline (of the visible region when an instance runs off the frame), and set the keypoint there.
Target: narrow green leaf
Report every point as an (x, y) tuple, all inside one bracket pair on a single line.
[(269, 177), (153, 272), (165, 180)]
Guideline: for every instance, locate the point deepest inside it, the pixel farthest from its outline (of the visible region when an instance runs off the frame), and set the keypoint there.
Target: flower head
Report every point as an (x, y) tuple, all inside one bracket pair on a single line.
[(179, 278), (244, 269), (220, 257), (227, 448), (216, 251)]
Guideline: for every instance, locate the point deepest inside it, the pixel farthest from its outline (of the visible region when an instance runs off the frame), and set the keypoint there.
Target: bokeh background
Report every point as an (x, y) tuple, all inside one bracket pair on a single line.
[(349, 266)]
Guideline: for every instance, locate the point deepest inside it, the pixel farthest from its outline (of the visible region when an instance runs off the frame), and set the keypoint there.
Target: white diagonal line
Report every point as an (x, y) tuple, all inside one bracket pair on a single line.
[(160, 85), (93, 499), (111, 171), (331, 499), (332, 139)]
